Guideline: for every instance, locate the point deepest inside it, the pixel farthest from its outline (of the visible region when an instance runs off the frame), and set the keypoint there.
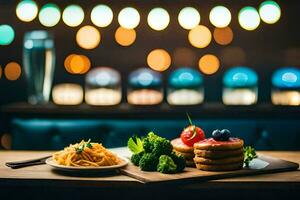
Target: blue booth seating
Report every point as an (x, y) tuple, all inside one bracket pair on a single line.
[(53, 134)]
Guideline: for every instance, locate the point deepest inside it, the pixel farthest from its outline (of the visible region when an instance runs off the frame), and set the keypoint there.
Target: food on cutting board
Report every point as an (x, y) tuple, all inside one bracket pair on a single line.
[(155, 153), (86, 154), (184, 145), (219, 153)]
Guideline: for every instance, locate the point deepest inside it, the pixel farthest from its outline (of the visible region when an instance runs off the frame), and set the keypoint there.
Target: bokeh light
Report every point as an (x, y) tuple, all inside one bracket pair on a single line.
[(73, 15), (77, 64), (88, 37), (7, 34), (125, 37), (220, 16), (223, 36), (0, 71), (6, 141), (158, 19), (269, 12), (49, 15), (189, 18), (129, 18), (101, 15), (200, 36), (184, 57), (67, 94), (27, 10), (232, 56), (12, 71), (209, 64), (159, 60), (249, 18)]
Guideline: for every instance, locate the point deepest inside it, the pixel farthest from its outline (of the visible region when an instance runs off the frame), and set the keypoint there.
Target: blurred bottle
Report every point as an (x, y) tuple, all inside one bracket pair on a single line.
[(39, 63)]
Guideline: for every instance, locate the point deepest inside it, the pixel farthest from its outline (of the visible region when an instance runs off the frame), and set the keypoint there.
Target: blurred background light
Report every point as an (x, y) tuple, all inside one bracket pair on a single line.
[(73, 15), (102, 15), (189, 18), (103, 87), (88, 37), (159, 60), (158, 19), (233, 56), (223, 36), (249, 18), (269, 12), (185, 87), (184, 57), (77, 64), (49, 15), (125, 37), (144, 87), (200, 36), (7, 34), (0, 71), (240, 86), (6, 141), (209, 64), (12, 71), (129, 18), (220, 16), (27, 10), (67, 94)]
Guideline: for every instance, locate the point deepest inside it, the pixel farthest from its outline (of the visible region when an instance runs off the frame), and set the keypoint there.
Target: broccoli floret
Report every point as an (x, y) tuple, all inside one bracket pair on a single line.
[(179, 161), (135, 158), (148, 162), (162, 146), (148, 142), (166, 165)]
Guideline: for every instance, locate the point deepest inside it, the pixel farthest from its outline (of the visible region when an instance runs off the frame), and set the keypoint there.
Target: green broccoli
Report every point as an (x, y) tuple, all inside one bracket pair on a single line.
[(162, 146), (148, 162), (166, 165), (135, 158), (179, 161), (148, 142)]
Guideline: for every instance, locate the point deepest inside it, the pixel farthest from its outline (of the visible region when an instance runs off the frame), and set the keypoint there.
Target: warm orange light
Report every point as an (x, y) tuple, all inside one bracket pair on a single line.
[(6, 141), (12, 71), (223, 36), (200, 36), (159, 60), (0, 71), (184, 57), (88, 37), (209, 64), (77, 64), (125, 37)]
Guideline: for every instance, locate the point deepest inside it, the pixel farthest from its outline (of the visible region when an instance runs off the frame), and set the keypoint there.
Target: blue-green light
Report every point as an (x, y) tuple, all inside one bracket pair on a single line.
[(287, 77), (240, 77), (49, 15), (7, 34)]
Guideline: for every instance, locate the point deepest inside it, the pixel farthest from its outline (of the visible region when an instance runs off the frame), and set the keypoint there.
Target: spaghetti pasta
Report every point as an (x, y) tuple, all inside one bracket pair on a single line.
[(86, 154)]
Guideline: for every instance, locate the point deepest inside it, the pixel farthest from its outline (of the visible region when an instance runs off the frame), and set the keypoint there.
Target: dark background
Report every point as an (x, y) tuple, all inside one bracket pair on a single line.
[(267, 48)]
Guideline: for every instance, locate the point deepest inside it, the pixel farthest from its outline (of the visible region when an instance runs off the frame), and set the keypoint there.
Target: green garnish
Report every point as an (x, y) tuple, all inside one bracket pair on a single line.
[(249, 154), (80, 149), (135, 144)]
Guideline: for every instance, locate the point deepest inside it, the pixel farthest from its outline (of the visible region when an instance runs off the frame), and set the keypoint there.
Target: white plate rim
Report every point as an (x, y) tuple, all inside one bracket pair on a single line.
[(53, 164)]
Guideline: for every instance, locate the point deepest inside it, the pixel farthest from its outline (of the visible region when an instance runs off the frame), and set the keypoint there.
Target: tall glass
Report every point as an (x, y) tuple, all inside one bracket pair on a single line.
[(39, 64)]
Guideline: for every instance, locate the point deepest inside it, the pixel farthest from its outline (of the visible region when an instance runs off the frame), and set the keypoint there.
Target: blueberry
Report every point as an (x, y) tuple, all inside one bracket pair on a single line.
[(225, 134), (216, 134)]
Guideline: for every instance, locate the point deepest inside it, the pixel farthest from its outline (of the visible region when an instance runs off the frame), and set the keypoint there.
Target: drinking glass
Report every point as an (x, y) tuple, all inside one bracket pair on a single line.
[(39, 64)]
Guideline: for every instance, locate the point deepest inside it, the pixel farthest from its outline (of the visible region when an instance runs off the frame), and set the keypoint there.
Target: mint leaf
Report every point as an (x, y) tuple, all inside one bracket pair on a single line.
[(135, 145), (249, 155)]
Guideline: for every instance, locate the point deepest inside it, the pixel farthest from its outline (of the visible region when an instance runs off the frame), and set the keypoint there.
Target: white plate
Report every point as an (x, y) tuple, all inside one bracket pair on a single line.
[(123, 163)]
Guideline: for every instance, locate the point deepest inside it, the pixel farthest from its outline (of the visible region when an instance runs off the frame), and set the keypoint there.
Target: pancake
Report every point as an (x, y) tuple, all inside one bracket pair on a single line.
[(227, 167), (211, 144), (217, 154), (179, 146), (223, 161), (187, 156)]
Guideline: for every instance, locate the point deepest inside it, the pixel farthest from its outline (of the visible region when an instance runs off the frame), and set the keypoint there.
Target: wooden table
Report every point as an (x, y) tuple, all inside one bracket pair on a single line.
[(41, 180)]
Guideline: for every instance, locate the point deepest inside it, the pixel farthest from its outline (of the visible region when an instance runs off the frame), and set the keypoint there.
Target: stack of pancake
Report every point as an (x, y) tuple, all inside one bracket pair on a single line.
[(186, 151), (212, 155)]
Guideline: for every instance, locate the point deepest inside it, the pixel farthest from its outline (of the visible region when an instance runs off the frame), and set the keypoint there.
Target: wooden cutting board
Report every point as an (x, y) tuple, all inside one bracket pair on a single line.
[(261, 165)]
